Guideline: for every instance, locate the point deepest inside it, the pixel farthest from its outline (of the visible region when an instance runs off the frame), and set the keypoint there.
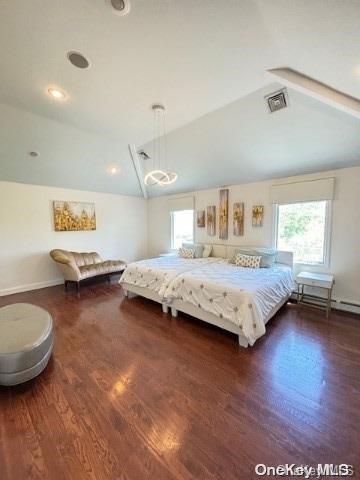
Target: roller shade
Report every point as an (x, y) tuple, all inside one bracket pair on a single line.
[(181, 203), (312, 190)]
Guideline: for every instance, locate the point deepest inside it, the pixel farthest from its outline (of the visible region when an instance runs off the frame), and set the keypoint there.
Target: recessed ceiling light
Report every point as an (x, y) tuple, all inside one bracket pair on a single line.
[(78, 60), (113, 169), (119, 7), (56, 93)]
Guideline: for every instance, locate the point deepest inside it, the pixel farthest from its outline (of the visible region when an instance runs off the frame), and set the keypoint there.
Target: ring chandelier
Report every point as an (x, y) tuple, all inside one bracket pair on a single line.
[(159, 174)]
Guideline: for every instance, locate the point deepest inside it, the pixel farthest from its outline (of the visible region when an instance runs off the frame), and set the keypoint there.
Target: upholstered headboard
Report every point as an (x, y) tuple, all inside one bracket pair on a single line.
[(227, 251), (219, 251), (287, 258)]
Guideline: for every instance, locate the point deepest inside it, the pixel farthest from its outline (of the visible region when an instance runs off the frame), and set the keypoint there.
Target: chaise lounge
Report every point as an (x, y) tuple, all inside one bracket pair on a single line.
[(77, 267)]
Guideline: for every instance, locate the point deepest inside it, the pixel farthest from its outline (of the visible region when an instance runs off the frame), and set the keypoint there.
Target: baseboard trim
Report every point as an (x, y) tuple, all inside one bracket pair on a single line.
[(336, 304), (31, 286)]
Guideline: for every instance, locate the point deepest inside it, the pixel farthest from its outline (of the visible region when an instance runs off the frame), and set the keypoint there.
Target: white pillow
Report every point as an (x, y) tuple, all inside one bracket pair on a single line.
[(186, 253), (251, 261), (207, 251)]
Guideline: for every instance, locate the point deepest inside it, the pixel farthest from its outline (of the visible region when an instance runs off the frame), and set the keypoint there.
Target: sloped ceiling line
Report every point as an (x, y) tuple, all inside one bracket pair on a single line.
[(317, 90)]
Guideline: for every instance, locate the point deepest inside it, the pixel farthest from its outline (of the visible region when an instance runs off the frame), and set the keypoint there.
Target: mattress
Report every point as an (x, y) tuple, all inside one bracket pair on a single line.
[(156, 274), (243, 296)]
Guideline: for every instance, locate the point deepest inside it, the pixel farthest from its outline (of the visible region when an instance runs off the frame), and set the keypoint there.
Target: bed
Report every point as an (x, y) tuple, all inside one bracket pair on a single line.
[(240, 300), (150, 278)]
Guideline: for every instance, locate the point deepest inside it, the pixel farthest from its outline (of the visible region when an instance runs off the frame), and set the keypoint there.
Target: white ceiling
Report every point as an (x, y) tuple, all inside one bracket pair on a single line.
[(194, 56), (242, 142), (69, 157)]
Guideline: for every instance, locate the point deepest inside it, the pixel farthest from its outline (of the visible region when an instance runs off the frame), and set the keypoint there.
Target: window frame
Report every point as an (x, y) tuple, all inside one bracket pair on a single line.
[(172, 226), (327, 233)]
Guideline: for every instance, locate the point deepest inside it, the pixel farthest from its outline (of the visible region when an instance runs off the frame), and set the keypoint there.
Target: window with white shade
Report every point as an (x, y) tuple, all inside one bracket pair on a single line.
[(182, 227), (303, 228)]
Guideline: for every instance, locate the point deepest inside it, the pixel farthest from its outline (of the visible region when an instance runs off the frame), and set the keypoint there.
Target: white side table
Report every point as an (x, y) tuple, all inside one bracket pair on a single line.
[(320, 280)]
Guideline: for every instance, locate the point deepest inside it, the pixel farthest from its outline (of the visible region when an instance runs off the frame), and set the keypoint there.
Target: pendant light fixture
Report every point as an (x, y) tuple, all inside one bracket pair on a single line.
[(159, 174)]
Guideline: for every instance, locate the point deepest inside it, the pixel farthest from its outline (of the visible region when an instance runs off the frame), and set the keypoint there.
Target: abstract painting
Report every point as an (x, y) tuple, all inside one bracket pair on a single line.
[(201, 218), (257, 215), (238, 219), (224, 214), (211, 220), (74, 216)]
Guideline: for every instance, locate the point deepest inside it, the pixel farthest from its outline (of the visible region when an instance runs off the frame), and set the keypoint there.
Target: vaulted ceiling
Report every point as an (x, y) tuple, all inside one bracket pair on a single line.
[(205, 60)]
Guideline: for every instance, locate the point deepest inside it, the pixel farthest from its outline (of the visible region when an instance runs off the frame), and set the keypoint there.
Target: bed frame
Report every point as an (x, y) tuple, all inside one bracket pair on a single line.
[(223, 251), (132, 291), (180, 306), (285, 258)]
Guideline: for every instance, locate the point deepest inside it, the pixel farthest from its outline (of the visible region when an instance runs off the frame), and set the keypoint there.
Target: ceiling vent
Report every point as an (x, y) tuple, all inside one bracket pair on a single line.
[(277, 100), (143, 155), (119, 7)]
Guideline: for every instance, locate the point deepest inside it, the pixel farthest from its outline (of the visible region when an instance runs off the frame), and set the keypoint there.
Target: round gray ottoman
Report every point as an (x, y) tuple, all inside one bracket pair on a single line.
[(26, 342)]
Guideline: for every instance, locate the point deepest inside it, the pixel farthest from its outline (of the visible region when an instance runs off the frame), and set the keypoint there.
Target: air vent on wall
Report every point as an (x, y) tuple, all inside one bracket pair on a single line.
[(277, 100)]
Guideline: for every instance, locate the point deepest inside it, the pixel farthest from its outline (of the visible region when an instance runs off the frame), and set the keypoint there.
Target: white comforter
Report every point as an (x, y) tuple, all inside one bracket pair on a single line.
[(157, 273), (244, 296)]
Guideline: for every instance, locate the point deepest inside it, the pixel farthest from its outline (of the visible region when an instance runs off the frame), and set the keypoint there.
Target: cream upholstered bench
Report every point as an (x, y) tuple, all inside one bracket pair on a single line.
[(79, 266), (26, 342)]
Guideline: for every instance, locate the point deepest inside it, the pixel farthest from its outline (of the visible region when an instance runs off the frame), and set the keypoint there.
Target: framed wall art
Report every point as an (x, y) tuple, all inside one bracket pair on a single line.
[(257, 215), (238, 219), (211, 220), (224, 214), (200, 218), (74, 216)]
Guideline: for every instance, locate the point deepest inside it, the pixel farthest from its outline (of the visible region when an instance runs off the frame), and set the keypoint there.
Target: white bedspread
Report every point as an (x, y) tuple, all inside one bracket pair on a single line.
[(244, 296), (157, 273)]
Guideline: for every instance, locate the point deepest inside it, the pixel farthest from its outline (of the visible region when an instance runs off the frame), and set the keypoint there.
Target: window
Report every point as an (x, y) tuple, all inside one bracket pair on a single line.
[(182, 227), (302, 228)]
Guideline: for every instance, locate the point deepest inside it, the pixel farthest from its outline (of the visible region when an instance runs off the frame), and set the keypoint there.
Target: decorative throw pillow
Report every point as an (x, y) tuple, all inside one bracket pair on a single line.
[(207, 251), (186, 252), (251, 261), (268, 255), (195, 246)]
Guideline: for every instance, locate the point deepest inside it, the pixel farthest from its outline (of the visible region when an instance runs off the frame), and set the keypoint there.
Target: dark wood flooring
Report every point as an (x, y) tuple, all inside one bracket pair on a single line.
[(131, 393)]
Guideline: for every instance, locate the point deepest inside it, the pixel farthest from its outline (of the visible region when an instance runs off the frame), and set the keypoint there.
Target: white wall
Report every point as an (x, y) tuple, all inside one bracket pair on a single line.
[(27, 232), (130, 228), (345, 231)]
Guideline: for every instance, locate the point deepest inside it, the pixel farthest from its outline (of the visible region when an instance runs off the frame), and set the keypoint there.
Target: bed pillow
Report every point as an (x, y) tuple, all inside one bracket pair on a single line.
[(268, 255), (207, 251), (251, 261), (194, 246), (186, 252)]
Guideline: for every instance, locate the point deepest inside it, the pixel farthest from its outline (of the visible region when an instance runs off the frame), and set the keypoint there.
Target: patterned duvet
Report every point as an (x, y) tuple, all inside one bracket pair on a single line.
[(157, 273), (244, 296)]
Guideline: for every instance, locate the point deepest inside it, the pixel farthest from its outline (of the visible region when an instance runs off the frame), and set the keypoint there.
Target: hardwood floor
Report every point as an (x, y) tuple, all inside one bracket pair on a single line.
[(131, 393)]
